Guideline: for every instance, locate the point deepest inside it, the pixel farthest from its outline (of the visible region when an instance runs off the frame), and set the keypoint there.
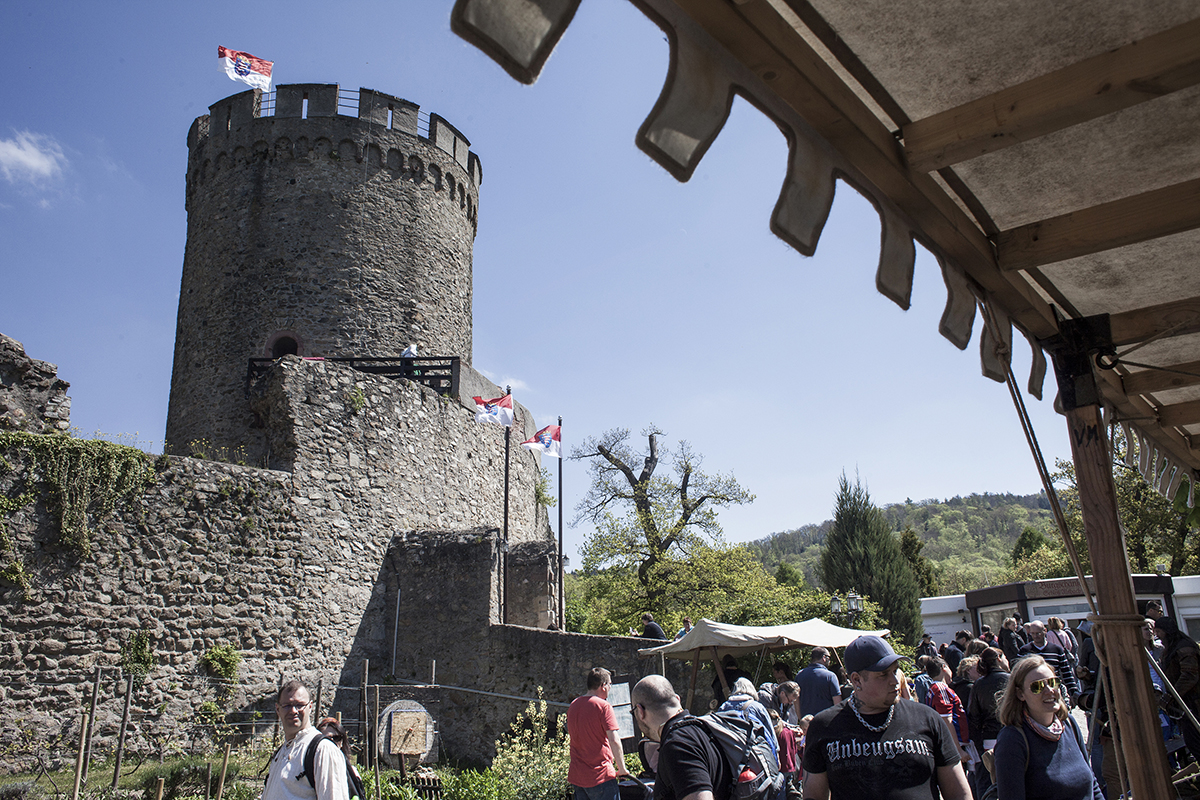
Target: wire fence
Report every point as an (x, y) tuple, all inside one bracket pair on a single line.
[(121, 724)]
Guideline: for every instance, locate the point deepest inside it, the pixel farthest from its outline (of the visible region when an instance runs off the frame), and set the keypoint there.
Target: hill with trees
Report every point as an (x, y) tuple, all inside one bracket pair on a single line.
[(967, 542)]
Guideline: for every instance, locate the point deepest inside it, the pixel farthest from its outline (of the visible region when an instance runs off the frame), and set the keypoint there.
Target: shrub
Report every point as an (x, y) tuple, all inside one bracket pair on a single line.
[(472, 785), (533, 756), (222, 661)]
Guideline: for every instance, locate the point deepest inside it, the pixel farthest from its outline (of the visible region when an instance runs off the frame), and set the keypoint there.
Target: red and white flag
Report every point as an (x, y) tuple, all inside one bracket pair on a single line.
[(547, 441), (499, 410), (246, 68)]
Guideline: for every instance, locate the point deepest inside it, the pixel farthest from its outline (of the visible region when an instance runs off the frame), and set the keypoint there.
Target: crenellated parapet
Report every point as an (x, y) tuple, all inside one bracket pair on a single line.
[(384, 130)]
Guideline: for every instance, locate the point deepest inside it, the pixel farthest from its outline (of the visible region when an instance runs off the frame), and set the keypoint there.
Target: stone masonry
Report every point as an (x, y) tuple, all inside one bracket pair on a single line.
[(32, 398)]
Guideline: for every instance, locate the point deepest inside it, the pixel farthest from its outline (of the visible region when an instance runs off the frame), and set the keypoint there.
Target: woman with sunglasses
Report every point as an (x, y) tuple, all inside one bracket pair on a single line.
[(1040, 751)]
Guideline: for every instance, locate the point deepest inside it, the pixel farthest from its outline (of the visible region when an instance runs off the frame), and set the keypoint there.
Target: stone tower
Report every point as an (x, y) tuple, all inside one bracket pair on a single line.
[(331, 227)]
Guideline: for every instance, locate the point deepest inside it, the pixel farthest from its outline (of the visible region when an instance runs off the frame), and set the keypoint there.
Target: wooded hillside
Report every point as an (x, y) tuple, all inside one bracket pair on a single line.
[(969, 539)]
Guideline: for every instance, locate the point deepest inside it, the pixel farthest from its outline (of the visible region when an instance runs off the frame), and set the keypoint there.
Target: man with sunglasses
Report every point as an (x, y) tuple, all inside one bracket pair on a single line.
[(287, 779), (877, 745)]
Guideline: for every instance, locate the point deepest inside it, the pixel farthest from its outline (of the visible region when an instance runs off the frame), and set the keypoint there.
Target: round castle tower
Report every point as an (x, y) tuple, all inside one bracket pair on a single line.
[(316, 233)]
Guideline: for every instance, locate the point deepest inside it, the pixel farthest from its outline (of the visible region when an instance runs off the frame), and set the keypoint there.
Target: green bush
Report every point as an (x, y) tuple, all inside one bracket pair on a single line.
[(533, 756), (185, 778), (472, 785), (222, 661), (390, 787)]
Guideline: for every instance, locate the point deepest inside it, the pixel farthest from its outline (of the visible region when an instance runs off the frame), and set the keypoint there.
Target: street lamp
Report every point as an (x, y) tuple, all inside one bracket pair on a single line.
[(835, 605), (856, 607)]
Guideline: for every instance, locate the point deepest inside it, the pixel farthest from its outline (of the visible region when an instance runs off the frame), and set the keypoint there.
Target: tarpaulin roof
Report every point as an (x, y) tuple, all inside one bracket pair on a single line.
[(739, 640)]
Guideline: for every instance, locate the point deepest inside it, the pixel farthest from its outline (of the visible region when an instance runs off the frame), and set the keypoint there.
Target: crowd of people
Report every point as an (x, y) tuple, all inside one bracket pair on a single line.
[(982, 716)]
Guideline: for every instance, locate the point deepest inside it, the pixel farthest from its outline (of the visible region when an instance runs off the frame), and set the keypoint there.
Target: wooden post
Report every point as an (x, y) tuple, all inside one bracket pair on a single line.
[(121, 735), (1119, 639), (364, 723), (375, 744), (317, 702), (692, 685), (87, 750), (720, 672), (207, 781), (83, 731), (224, 769), (158, 794)]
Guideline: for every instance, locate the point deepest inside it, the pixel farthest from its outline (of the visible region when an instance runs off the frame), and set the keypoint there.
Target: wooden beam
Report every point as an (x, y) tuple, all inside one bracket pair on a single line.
[(1177, 318), (755, 35), (1150, 215), (1180, 414), (1118, 633), (1143, 70), (1157, 380), (1134, 408)]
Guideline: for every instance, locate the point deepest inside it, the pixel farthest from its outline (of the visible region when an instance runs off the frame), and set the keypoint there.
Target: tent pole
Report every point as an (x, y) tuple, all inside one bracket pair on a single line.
[(720, 672), (691, 695)]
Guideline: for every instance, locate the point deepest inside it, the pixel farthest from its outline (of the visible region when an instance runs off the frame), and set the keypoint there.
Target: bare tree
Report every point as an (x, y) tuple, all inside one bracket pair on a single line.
[(643, 518)]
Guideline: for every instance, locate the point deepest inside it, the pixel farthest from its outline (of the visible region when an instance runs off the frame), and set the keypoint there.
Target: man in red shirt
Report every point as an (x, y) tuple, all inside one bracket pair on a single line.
[(596, 755)]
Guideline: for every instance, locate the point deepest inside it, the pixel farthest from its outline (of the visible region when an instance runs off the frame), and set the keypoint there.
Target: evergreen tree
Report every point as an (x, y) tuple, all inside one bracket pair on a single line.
[(1031, 541), (863, 554), (922, 568)]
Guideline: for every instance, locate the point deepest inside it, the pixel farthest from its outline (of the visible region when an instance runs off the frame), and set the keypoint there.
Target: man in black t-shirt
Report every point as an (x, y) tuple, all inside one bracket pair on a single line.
[(690, 767), (877, 745)]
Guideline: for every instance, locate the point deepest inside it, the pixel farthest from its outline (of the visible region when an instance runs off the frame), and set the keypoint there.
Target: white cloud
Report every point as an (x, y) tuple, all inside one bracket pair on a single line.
[(31, 158), (519, 386)]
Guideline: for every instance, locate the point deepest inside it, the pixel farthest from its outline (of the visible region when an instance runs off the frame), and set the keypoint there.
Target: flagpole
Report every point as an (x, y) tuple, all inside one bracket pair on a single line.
[(562, 586), (504, 549)]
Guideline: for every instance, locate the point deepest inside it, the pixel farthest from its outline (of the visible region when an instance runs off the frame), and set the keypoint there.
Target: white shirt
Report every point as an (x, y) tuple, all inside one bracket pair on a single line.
[(286, 781)]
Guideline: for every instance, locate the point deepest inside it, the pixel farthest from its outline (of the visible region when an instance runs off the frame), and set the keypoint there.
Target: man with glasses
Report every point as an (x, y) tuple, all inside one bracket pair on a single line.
[(287, 779), (597, 758), (690, 767)]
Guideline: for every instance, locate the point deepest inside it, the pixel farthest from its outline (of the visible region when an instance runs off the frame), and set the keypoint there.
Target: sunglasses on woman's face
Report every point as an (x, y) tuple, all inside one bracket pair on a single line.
[(1047, 683)]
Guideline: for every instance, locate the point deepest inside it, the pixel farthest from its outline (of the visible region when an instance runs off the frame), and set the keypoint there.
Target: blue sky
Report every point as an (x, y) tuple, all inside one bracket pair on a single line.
[(605, 291)]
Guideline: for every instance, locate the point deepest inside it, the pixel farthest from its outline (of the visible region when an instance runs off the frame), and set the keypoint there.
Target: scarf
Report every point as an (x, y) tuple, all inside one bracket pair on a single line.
[(1052, 733)]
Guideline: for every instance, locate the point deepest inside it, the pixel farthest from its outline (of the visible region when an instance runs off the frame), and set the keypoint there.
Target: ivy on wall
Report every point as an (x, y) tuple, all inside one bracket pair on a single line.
[(80, 480)]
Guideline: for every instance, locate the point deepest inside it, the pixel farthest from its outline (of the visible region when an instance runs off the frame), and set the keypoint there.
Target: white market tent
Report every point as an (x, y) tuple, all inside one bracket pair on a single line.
[(712, 641)]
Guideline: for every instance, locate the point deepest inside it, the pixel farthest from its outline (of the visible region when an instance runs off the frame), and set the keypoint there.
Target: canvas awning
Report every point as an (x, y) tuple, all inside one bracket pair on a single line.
[(708, 639)]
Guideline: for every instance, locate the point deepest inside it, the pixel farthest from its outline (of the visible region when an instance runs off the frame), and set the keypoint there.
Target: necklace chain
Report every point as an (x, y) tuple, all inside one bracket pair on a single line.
[(854, 704)]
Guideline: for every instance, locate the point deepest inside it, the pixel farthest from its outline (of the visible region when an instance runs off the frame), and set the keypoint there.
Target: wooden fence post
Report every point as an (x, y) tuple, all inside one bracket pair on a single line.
[(124, 728), (87, 750), (364, 723), (83, 732), (224, 767)]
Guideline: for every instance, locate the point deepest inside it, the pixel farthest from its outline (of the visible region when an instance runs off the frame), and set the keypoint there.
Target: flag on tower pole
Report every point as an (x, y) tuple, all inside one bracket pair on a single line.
[(547, 441), (498, 410), (246, 68)]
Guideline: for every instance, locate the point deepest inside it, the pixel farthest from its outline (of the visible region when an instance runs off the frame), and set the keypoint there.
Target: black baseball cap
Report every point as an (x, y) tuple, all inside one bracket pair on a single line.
[(870, 654)]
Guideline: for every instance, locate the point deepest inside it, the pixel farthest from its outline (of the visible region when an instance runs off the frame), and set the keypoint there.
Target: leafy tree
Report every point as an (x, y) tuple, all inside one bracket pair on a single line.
[(922, 568), (643, 519), (1030, 542), (786, 574), (862, 554)]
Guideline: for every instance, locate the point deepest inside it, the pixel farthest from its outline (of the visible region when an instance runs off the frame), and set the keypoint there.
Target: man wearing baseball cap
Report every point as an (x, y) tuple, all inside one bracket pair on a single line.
[(877, 745)]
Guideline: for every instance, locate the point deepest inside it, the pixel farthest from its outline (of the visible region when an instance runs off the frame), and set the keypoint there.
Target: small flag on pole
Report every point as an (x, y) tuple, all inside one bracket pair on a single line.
[(246, 68), (547, 441), (499, 410)]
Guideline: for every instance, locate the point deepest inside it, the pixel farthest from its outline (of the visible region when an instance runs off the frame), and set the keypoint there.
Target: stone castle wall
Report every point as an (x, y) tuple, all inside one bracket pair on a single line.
[(32, 397), (400, 501), (338, 234)]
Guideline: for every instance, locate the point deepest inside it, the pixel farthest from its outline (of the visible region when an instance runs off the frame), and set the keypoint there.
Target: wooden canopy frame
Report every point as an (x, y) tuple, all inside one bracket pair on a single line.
[(1048, 155)]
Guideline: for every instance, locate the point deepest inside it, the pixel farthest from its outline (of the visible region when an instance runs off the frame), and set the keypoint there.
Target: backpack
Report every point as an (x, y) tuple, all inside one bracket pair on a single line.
[(353, 782), (743, 744)]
